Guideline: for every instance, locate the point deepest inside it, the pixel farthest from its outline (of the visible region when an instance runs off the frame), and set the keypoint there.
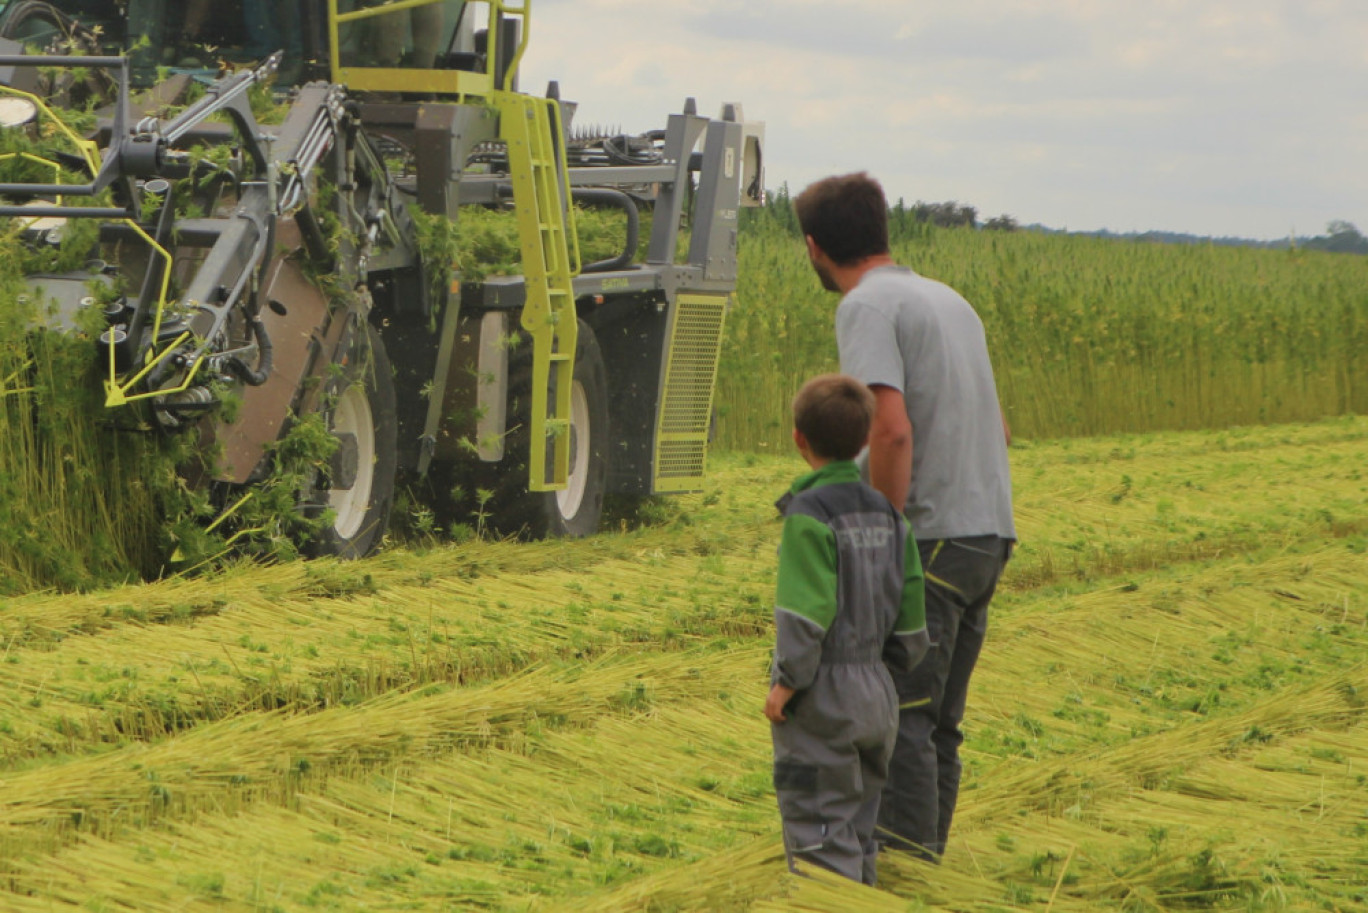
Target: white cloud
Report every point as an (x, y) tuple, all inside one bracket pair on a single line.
[(1211, 116)]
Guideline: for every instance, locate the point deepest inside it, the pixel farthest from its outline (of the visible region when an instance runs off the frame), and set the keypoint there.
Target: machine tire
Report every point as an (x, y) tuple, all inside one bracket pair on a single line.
[(454, 487), (577, 510), (364, 407)]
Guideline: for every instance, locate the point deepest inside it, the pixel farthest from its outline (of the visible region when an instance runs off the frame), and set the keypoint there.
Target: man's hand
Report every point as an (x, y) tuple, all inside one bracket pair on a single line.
[(779, 696)]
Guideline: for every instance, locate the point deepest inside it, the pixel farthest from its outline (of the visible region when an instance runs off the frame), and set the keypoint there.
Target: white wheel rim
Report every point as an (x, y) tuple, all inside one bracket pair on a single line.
[(571, 497), (353, 416)]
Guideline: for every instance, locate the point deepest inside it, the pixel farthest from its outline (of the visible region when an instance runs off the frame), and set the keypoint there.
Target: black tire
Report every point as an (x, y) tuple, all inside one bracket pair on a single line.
[(364, 409), (510, 509)]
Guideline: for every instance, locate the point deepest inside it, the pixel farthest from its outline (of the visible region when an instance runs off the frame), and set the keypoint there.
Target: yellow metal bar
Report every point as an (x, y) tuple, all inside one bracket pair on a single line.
[(334, 43), (89, 151), (230, 511), (563, 169), (166, 273), (394, 79), (549, 311), (525, 12), (438, 82), (117, 395), (55, 166)]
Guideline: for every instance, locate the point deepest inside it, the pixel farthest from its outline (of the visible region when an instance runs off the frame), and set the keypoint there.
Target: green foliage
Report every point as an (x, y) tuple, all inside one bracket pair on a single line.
[(487, 239), (573, 724), (271, 523), (80, 502), (1088, 335), (267, 106), (488, 244), (89, 495), (437, 246)]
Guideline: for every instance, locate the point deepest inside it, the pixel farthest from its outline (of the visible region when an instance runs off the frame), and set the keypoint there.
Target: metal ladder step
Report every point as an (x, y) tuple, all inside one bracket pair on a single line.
[(547, 236)]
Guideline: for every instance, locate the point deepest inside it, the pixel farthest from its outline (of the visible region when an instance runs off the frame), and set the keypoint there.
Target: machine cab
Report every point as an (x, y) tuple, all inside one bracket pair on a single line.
[(371, 45)]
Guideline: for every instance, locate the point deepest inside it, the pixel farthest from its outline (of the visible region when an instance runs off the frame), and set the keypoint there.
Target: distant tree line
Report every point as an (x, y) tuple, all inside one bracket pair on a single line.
[(909, 220), (904, 219), (952, 215), (1340, 238)]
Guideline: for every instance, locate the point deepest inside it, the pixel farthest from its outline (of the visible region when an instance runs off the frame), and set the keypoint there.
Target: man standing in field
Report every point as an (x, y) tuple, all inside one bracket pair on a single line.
[(937, 446)]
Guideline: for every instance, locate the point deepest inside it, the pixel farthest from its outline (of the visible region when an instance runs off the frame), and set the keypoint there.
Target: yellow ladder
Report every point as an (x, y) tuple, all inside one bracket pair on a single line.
[(546, 233)]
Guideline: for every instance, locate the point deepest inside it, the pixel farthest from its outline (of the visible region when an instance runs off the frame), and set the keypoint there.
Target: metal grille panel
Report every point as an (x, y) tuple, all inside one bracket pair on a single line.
[(690, 376), (681, 460)]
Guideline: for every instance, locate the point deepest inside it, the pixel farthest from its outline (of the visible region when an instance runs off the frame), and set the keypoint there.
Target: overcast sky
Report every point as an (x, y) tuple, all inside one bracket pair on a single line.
[(1221, 117)]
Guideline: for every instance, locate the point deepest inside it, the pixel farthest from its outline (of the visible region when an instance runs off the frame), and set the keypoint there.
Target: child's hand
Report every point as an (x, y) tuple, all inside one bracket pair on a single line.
[(779, 696)]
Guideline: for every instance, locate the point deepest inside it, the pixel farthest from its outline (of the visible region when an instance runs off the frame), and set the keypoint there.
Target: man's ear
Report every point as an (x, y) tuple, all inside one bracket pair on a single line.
[(813, 250), (799, 440)]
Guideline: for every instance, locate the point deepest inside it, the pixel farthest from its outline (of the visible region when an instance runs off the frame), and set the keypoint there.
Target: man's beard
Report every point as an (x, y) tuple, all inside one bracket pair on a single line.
[(824, 275)]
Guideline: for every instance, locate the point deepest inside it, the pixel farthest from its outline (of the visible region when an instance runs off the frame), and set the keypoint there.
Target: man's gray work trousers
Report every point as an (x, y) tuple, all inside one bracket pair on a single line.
[(924, 775)]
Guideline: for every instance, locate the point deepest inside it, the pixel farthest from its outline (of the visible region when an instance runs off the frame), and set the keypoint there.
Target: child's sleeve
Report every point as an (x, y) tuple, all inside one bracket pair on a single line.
[(910, 640), (805, 601)]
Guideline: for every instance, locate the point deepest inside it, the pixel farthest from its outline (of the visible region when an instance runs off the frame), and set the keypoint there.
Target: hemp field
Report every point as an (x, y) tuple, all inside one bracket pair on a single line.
[(1088, 335), (1169, 716)]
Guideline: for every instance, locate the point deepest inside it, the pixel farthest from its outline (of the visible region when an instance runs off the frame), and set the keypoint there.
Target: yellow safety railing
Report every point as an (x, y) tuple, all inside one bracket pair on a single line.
[(532, 129), (536, 169), (563, 169), (38, 159), (116, 393), (426, 80), (88, 149)]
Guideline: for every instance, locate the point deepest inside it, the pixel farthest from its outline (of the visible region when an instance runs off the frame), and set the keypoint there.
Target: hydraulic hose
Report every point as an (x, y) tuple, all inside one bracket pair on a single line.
[(265, 358), (602, 196), (616, 199)]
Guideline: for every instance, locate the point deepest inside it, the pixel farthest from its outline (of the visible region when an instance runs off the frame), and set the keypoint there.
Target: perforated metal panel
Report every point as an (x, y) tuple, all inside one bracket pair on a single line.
[(692, 350)]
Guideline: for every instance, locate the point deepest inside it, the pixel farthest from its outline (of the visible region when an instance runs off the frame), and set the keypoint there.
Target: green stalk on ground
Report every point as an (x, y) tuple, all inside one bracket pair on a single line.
[(1169, 714)]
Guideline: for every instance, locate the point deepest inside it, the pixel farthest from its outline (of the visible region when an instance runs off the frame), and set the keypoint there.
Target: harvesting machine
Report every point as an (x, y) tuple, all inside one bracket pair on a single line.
[(290, 268)]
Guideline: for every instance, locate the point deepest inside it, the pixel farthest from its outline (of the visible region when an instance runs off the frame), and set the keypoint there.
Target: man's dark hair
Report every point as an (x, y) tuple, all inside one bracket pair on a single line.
[(834, 411), (846, 215)]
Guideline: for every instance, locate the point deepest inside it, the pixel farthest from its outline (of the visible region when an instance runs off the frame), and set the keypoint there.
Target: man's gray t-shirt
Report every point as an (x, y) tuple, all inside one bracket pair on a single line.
[(922, 338)]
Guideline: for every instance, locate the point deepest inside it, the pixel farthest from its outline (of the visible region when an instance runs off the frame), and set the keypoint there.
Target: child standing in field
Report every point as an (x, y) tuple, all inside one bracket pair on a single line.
[(848, 605)]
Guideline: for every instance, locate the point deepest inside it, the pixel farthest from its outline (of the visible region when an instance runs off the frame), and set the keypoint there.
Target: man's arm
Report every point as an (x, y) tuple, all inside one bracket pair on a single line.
[(890, 445)]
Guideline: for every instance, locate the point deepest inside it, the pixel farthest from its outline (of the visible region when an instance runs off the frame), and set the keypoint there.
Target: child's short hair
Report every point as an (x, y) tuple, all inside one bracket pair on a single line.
[(834, 411)]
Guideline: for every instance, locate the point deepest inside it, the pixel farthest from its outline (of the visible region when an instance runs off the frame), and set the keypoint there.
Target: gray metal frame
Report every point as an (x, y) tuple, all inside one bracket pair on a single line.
[(217, 320)]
